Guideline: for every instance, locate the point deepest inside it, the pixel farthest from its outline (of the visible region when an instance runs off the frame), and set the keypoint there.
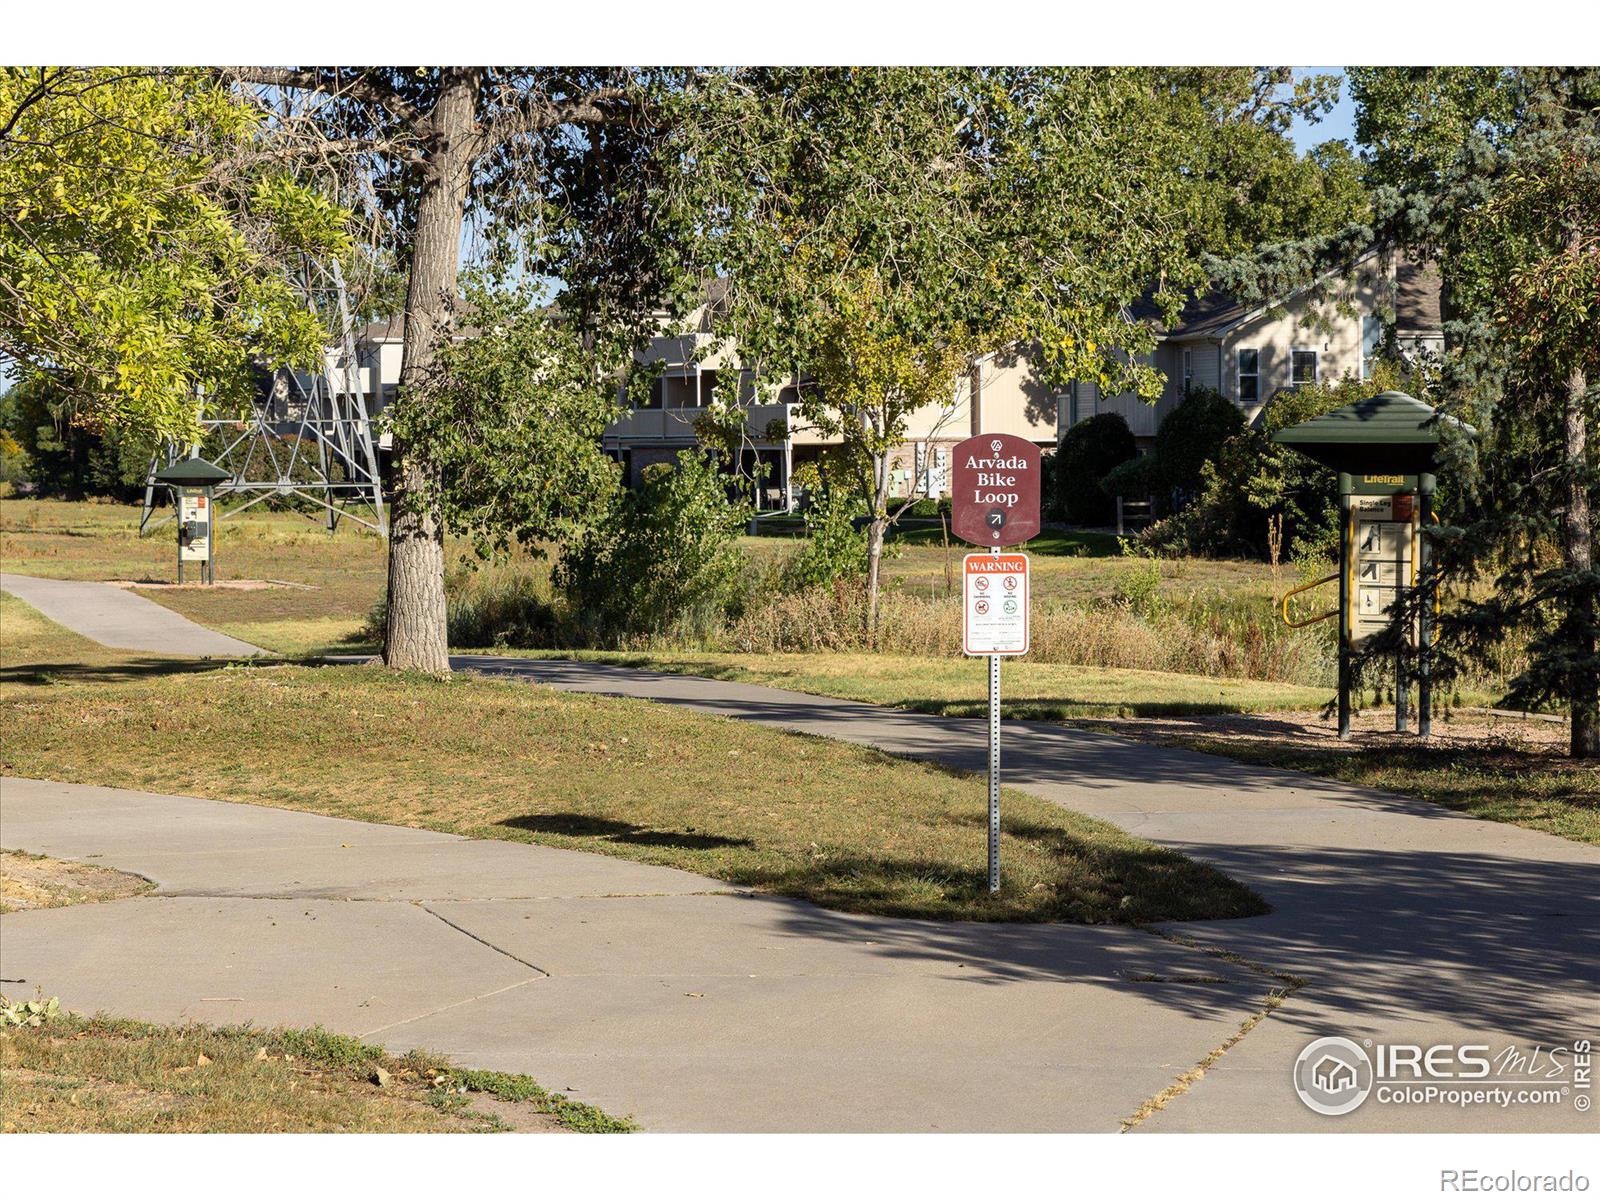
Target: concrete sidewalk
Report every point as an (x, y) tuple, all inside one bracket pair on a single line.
[(122, 620), (651, 992), (1407, 921), (695, 1007)]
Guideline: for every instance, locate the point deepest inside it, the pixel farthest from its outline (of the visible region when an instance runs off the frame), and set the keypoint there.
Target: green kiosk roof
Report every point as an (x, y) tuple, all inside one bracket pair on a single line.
[(1390, 432), (192, 472)]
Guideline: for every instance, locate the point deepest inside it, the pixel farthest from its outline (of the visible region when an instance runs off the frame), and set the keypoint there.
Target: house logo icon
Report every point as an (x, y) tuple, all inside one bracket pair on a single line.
[(1333, 1076)]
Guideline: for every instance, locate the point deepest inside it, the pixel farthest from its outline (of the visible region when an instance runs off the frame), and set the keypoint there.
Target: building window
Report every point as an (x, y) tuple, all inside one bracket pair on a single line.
[(658, 391), (1302, 368), (1249, 376), (1188, 371), (1371, 338)]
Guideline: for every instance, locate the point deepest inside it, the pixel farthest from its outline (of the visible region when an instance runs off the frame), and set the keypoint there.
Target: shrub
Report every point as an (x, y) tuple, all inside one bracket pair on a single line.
[(1133, 480), (928, 509), (836, 541), (1191, 436), (1088, 452), (663, 559), (1252, 480)]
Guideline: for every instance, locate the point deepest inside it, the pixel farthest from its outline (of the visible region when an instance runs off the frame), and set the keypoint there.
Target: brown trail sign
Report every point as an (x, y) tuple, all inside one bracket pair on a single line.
[(995, 502)]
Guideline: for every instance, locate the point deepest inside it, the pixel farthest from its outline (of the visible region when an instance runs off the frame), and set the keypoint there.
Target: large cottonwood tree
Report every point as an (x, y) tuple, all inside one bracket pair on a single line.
[(520, 152)]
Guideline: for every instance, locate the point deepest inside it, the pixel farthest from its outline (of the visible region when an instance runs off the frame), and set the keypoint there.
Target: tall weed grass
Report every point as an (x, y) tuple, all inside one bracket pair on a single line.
[(1200, 635)]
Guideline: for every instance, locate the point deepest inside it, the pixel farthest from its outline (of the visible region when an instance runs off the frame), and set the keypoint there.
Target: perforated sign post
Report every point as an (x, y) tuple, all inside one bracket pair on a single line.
[(994, 503)]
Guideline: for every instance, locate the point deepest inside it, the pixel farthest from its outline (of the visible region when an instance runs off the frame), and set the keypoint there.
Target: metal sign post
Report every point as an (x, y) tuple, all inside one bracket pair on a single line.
[(995, 502), (994, 771), (994, 602)]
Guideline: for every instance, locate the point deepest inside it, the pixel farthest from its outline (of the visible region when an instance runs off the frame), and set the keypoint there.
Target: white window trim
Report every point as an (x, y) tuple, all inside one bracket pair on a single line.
[(1239, 373), (1316, 374), (1368, 363), (1188, 370)]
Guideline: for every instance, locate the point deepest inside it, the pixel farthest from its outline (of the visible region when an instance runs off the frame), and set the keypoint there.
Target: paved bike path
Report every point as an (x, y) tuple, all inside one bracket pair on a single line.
[(1393, 920), (1406, 921), (119, 618)]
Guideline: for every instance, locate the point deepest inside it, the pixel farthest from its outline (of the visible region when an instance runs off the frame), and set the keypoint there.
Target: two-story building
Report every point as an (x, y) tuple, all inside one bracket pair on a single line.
[(1249, 352), (1245, 352)]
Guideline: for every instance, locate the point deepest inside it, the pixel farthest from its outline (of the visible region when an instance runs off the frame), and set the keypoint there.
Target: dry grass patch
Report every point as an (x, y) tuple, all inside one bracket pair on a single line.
[(79, 1075), (38, 881)]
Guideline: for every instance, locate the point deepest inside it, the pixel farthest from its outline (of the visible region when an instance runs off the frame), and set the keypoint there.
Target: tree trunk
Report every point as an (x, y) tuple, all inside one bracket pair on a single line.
[(877, 526), (1578, 538), (415, 636), (875, 532)]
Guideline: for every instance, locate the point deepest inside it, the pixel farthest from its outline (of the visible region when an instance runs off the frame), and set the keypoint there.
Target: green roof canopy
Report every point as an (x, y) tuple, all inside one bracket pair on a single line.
[(1390, 432), (192, 472)]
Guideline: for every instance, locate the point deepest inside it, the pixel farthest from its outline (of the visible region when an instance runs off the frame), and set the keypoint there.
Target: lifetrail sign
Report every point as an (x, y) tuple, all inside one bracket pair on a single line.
[(193, 482), (994, 502), (1386, 450), (994, 493)]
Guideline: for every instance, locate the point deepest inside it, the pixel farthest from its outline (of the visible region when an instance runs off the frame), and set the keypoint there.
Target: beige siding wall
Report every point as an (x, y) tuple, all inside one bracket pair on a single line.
[(1302, 324)]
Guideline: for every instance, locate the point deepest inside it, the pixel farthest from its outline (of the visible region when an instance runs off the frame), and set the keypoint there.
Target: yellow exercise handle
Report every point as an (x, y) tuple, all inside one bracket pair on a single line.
[(1284, 604)]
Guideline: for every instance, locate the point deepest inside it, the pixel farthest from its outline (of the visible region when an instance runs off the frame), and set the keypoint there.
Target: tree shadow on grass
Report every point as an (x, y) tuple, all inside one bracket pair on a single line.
[(585, 826), (124, 671)]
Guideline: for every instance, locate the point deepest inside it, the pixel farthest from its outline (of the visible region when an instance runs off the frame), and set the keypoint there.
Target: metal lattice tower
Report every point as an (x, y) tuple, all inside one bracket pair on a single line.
[(308, 436)]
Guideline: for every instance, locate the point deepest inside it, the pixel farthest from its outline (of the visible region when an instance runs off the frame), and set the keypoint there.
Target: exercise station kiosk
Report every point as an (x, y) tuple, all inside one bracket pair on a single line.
[(1385, 450), (193, 482)]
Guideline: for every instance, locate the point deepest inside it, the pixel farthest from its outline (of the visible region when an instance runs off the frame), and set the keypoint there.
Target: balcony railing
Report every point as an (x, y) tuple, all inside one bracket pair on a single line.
[(677, 424)]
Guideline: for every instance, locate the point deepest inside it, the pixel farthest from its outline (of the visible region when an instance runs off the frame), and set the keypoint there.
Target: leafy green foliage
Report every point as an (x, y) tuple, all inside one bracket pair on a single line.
[(836, 540), (662, 558), (1492, 172), (29, 1014), (510, 425), (143, 245), (64, 459), (1089, 451), (1190, 437), (1249, 483)]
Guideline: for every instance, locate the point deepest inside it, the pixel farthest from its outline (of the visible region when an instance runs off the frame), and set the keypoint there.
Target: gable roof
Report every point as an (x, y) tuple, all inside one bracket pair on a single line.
[(1387, 432), (1216, 313)]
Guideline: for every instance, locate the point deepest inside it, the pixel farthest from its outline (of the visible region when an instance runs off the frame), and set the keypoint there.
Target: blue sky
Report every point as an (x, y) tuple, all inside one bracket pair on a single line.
[(1340, 123)]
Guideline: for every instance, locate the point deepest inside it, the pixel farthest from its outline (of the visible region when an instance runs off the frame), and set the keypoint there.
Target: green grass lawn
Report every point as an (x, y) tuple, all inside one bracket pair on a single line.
[(846, 827), (75, 1074), (344, 577)]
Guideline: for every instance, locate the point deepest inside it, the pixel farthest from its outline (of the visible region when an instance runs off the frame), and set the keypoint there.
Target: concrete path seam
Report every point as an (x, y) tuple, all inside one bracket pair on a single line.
[(499, 991), (483, 941)]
